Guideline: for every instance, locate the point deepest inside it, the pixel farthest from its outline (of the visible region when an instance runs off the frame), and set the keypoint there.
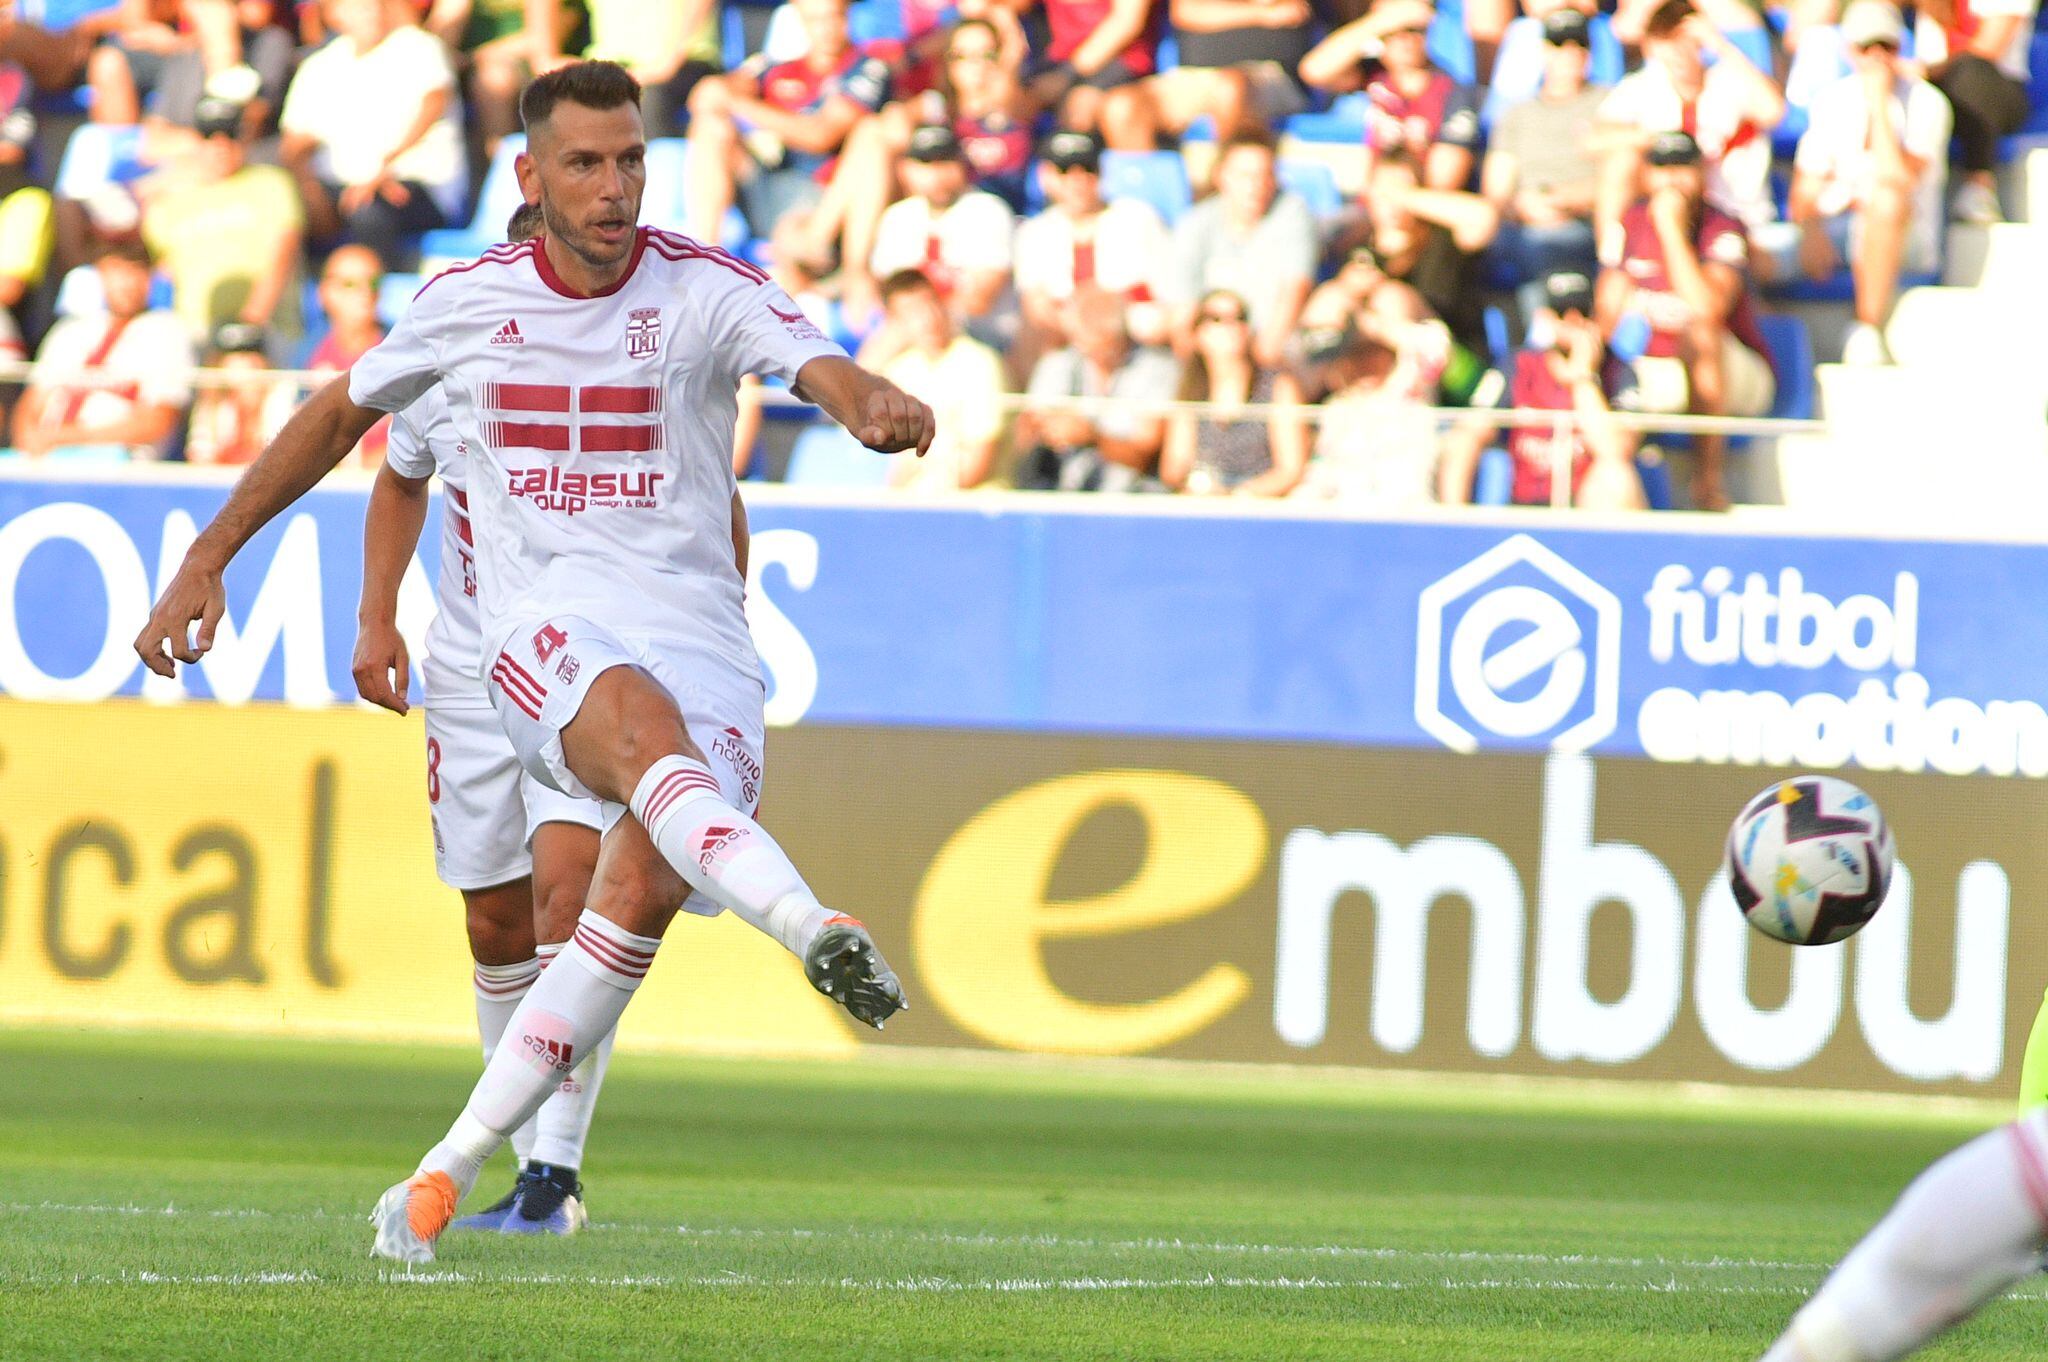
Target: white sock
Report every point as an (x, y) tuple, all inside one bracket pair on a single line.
[(574, 1005), (498, 991), (563, 1125), (725, 855), (1968, 1227)]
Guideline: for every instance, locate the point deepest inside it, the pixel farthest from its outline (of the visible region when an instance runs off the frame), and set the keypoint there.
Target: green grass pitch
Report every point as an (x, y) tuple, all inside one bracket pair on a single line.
[(199, 1197)]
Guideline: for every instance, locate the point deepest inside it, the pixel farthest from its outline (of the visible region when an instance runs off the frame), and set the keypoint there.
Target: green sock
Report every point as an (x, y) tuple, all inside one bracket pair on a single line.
[(2034, 1068)]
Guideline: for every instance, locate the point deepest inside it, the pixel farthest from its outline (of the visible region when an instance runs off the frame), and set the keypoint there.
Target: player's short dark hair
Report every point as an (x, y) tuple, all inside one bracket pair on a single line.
[(906, 281), (525, 223), (1666, 18), (592, 84)]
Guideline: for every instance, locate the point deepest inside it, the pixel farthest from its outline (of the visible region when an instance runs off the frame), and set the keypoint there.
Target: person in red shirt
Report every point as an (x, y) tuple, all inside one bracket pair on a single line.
[(1097, 46), (769, 134), (1413, 104), (1680, 268), (1560, 369)]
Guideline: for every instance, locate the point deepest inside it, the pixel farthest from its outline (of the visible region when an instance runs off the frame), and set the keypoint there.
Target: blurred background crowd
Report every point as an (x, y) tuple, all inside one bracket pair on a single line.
[(1324, 223)]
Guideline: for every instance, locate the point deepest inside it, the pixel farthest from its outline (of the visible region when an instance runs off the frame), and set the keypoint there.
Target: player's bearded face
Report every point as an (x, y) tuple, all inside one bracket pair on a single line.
[(592, 169)]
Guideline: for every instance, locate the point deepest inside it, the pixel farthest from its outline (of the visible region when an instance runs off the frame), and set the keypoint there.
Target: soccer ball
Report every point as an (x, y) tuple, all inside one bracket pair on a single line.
[(1810, 860)]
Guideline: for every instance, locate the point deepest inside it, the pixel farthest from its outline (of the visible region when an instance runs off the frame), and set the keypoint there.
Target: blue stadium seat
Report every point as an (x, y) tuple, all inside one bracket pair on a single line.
[(1500, 348), (1314, 182), (98, 154), (1493, 482), (1792, 357), (494, 204), (875, 21), (395, 295), (1159, 178), (1343, 122), (826, 456), (732, 37), (1450, 46)]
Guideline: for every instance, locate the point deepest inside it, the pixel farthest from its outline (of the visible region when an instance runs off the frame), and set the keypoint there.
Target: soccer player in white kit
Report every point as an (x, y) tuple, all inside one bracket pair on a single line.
[(592, 374), (520, 854)]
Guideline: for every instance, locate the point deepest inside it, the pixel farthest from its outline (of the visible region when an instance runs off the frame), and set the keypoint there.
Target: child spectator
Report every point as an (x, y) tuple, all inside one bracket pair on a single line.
[(1250, 239), (1540, 171), (769, 134), (1977, 53), (234, 423), (348, 296), (136, 412), (1221, 453), (1870, 175), (1693, 80), (1681, 265), (382, 167), (1412, 105), (1072, 450), (918, 349), (1559, 368), (226, 232)]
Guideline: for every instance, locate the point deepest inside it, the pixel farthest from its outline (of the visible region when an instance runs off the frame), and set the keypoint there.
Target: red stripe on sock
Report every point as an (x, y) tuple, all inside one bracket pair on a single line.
[(500, 989), (673, 786), (2033, 1170), (631, 952), (609, 955)]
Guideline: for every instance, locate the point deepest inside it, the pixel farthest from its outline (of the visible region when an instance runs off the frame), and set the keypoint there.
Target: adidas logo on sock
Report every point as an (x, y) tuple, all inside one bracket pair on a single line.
[(508, 334), (560, 1054)]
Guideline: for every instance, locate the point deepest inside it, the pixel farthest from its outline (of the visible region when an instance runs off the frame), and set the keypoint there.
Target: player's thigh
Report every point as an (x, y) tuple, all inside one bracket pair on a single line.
[(473, 797), (564, 835), (722, 708), (634, 885)]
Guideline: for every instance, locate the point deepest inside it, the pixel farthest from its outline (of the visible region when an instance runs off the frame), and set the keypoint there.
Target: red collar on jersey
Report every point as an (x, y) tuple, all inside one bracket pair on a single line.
[(546, 268)]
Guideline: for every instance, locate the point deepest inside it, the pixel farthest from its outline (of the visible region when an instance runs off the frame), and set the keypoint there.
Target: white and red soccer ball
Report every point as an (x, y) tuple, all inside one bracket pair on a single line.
[(1810, 860)]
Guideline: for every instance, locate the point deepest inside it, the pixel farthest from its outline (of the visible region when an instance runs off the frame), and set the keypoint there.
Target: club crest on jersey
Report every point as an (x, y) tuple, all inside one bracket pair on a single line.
[(643, 333), (566, 669)]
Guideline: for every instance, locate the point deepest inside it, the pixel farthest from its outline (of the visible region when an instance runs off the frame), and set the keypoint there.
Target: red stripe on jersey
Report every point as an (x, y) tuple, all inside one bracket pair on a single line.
[(527, 435), (510, 686), (496, 255), (608, 955), (619, 401), (457, 495), (619, 439), (515, 682), (527, 396), (2033, 1169), (462, 531), (539, 689), (675, 247)]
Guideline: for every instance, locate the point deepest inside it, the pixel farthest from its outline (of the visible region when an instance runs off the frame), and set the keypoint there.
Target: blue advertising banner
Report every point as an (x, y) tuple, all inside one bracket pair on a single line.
[(1689, 646)]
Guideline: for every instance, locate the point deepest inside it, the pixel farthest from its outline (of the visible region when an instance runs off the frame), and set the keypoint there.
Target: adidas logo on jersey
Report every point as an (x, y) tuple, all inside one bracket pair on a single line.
[(508, 334)]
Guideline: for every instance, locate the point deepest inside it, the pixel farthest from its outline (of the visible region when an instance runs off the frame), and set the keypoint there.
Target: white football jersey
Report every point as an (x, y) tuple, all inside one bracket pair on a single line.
[(599, 430), (423, 441)]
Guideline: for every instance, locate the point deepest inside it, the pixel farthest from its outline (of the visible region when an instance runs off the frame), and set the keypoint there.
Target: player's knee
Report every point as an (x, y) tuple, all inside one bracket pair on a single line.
[(641, 896), (499, 921)]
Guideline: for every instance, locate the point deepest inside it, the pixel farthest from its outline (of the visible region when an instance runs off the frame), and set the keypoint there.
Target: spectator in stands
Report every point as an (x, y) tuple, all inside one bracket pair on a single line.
[(1377, 442), (1248, 238), (768, 134), (497, 54), (1559, 368), (232, 49), (1361, 295), (383, 168), (1977, 52), (1526, 51), (235, 422), (1238, 67), (1681, 266), (1220, 452), (1431, 239), (1097, 46), (1080, 240), (1693, 80), (1540, 171), (135, 411), (670, 46), (226, 232), (25, 208), (349, 282), (960, 236), (1072, 450), (918, 348), (126, 68), (1411, 104), (1870, 175), (1741, 22)]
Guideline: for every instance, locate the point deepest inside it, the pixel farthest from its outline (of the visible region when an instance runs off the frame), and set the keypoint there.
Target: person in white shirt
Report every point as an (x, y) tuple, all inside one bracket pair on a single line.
[(1870, 174), (1079, 240), (1978, 53), (372, 128), (147, 351), (1693, 80), (592, 375), (962, 238), (918, 348)]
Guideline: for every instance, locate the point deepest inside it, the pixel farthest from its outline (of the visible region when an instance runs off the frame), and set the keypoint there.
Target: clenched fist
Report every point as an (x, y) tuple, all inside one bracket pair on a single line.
[(893, 420)]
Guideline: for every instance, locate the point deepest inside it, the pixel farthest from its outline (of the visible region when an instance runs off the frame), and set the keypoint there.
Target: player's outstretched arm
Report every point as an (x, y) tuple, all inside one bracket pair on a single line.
[(879, 414), (317, 438), (391, 531)]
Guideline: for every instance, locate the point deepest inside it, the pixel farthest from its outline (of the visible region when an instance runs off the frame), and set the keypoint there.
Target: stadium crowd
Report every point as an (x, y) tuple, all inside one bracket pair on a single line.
[(1571, 206)]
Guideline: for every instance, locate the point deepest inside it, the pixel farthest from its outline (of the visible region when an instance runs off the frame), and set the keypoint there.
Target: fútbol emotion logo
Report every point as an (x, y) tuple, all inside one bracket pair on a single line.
[(1521, 645)]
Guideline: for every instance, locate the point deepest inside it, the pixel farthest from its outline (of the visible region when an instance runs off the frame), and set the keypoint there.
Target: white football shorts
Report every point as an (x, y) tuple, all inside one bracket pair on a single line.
[(540, 676), (484, 805)]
